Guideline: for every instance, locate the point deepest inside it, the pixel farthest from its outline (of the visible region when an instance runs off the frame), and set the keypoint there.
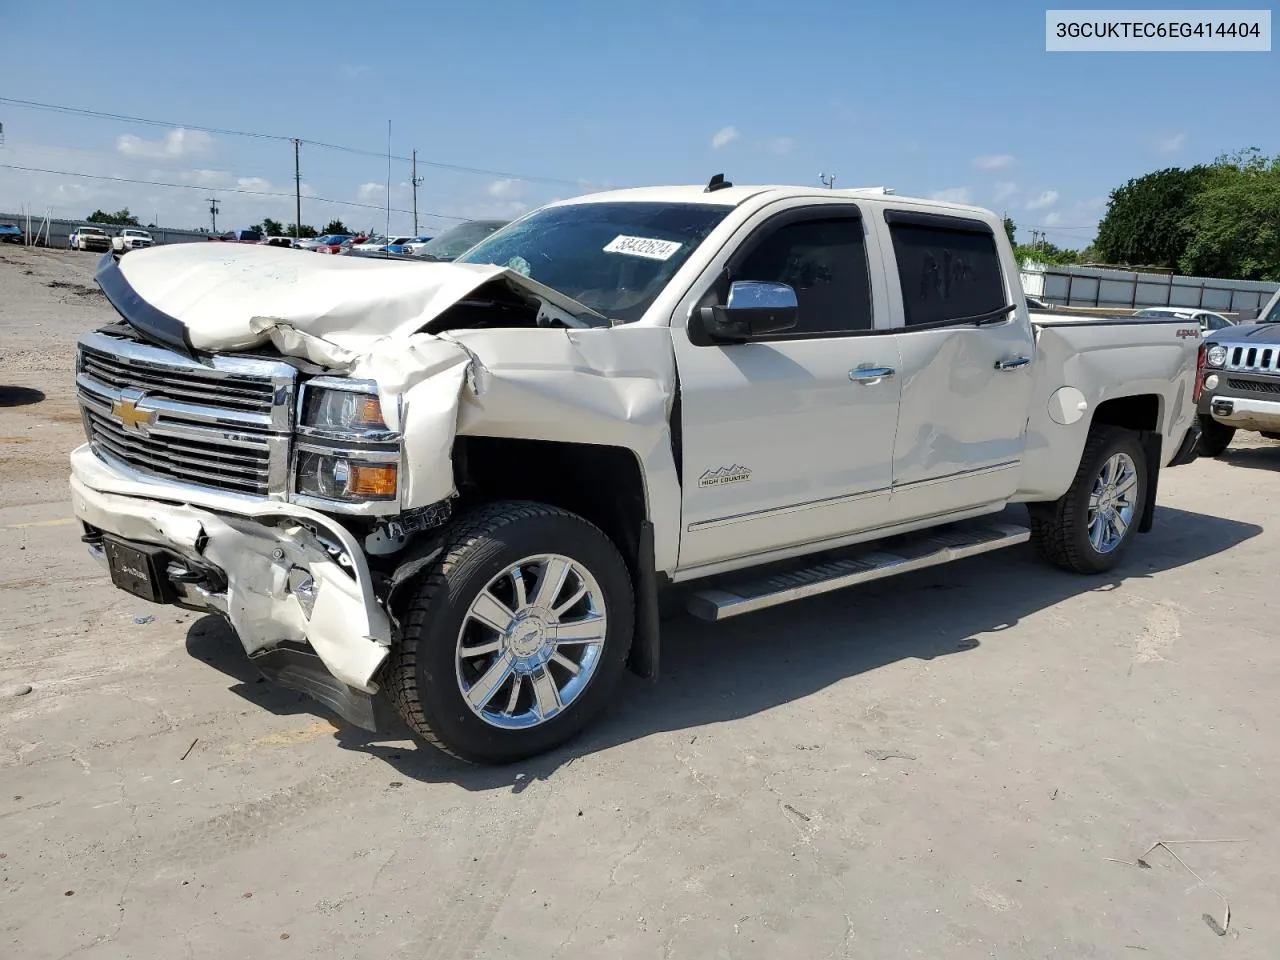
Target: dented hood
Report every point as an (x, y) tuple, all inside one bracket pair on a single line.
[(218, 297)]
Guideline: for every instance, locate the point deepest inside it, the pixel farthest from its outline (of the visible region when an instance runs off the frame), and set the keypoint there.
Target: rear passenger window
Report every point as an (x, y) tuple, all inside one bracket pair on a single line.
[(825, 262), (946, 274)]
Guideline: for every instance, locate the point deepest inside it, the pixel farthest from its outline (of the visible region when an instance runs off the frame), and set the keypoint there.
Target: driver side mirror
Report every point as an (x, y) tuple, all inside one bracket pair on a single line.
[(754, 309)]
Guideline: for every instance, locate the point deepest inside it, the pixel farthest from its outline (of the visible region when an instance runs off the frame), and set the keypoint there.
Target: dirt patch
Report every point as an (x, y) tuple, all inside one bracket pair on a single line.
[(76, 288)]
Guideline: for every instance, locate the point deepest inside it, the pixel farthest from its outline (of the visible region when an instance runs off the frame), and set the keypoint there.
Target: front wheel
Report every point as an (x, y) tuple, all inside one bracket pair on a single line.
[(517, 635), (1089, 528), (1215, 437)]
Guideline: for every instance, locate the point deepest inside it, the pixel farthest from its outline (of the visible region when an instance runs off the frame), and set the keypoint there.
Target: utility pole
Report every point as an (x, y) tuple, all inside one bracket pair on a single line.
[(828, 180), (297, 192), (417, 182), (213, 214)]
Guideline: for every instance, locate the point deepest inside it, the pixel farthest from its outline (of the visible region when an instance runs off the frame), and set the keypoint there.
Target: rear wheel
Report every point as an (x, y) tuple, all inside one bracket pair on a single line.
[(516, 637), (1214, 437), (1089, 528)]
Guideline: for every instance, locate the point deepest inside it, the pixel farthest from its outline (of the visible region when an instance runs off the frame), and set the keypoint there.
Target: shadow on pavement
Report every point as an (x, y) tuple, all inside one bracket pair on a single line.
[(19, 396), (712, 673), (1264, 457)]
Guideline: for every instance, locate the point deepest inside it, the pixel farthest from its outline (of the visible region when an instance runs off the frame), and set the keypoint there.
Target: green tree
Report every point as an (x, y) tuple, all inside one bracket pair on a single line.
[(1011, 229), (335, 226), (1233, 225), (256, 227), (272, 228), (1145, 221), (121, 218), (1046, 252), (304, 232)]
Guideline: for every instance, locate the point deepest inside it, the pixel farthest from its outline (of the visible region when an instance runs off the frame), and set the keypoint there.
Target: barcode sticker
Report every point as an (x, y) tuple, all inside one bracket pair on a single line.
[(646, 247)]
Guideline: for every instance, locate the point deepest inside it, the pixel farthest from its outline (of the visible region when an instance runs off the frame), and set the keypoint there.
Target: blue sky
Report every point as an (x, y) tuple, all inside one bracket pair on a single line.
[(952, 99)]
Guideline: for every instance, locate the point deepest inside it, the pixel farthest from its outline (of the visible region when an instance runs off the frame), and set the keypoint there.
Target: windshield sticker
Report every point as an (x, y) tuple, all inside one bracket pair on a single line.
[(646, 247)]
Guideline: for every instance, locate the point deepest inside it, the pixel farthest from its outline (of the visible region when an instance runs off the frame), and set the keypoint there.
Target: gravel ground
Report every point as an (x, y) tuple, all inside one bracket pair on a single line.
[(965, 763)]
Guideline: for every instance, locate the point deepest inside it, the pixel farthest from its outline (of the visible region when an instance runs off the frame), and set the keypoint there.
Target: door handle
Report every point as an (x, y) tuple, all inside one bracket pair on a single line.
[(1014, 364), (870, 374)]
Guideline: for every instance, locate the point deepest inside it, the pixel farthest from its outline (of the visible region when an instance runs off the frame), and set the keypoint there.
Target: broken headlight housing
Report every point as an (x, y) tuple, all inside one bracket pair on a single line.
[(346, 457)]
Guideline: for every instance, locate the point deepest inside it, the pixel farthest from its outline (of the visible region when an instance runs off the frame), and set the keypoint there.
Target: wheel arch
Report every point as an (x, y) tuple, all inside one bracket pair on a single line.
[(1143, 413), (605, 485)]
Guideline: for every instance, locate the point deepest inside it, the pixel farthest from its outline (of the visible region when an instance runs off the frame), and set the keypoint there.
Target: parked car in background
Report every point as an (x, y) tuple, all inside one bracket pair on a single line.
[(11, 233), (401, 245), (1238, 381), (131, 238), (333, 243), (310, 243), (380, 243), (1207, 319), (239, 236), (278, 241), (455, 241), (89, 238)]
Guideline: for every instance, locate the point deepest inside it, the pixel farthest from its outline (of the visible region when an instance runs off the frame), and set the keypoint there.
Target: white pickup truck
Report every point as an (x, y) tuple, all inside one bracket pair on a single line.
[(465, 486), (131, 238)]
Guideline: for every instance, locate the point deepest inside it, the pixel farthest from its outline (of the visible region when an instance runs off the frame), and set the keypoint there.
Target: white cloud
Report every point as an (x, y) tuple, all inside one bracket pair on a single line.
[(1094, 203), (506, 187), (370, 191), (1003, 190), (1171, 144), (203, 177), (781, 146), (724, 136), (1046, 199), (174, 144), (954, 195), (356, 70), (993, 161), (1052, 219)]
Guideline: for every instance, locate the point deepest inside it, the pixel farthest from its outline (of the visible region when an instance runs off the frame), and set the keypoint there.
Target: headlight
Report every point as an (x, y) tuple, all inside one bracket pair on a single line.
[(1216, 355), (338, 475), (349, 409), (346, 453)]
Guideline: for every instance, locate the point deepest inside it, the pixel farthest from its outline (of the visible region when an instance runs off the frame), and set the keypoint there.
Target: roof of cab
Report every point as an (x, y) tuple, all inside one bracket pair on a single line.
[(735, 195)]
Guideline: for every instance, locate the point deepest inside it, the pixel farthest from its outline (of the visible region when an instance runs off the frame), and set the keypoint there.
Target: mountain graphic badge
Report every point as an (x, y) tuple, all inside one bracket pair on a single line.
[(722, 475)]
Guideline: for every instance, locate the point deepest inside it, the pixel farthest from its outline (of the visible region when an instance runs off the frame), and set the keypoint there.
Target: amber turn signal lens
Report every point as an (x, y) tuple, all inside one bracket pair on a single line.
[(373, 480)]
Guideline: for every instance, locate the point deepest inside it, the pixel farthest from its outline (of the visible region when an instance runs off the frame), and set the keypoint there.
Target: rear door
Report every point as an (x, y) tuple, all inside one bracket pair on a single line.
[(967, 347), (787, 440)]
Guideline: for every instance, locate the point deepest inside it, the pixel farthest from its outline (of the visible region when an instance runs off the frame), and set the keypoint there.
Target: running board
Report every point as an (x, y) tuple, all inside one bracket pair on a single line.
[(887, 558)]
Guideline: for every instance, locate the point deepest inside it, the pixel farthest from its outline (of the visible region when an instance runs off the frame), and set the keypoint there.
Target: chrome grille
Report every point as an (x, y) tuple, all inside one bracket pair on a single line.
[(191, 386), (225, 424), (1254, 359)]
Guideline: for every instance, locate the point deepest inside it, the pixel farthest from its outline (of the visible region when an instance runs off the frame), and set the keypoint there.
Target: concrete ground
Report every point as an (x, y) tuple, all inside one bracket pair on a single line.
[(966, 762)]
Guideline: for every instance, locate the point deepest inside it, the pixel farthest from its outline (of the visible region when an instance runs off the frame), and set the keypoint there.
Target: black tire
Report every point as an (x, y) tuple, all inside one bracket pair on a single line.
[(1060, 530), (1214, 437), (421, 675)]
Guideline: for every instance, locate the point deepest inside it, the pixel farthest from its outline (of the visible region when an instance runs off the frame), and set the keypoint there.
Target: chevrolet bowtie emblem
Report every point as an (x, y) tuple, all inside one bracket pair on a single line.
[(127, 412)]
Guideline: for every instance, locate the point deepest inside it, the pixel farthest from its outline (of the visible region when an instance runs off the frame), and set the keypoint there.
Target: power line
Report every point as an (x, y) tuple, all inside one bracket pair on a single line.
[(241, 190), (223, 131)]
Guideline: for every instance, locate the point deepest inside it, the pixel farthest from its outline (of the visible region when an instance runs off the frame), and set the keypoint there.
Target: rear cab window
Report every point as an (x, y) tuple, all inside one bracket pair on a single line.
[(949, 269)]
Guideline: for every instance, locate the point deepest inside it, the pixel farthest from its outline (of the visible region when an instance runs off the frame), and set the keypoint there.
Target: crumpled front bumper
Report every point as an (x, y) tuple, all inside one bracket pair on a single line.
[(261, 555)]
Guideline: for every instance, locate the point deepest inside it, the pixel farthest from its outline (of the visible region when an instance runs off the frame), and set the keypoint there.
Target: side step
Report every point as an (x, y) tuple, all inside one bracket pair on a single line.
[(874, 561)]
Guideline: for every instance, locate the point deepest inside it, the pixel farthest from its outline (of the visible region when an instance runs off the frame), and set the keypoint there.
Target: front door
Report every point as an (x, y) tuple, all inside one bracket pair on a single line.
[(966, 382), (788, 440)]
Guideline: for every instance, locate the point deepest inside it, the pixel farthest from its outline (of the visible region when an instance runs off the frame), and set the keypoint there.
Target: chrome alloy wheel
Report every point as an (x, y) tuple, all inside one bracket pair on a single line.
[(1112, 502), (530, 641)]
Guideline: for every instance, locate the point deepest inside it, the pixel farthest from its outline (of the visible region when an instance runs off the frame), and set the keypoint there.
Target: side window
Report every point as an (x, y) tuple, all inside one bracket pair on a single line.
[(825, 262), (946, 274)]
